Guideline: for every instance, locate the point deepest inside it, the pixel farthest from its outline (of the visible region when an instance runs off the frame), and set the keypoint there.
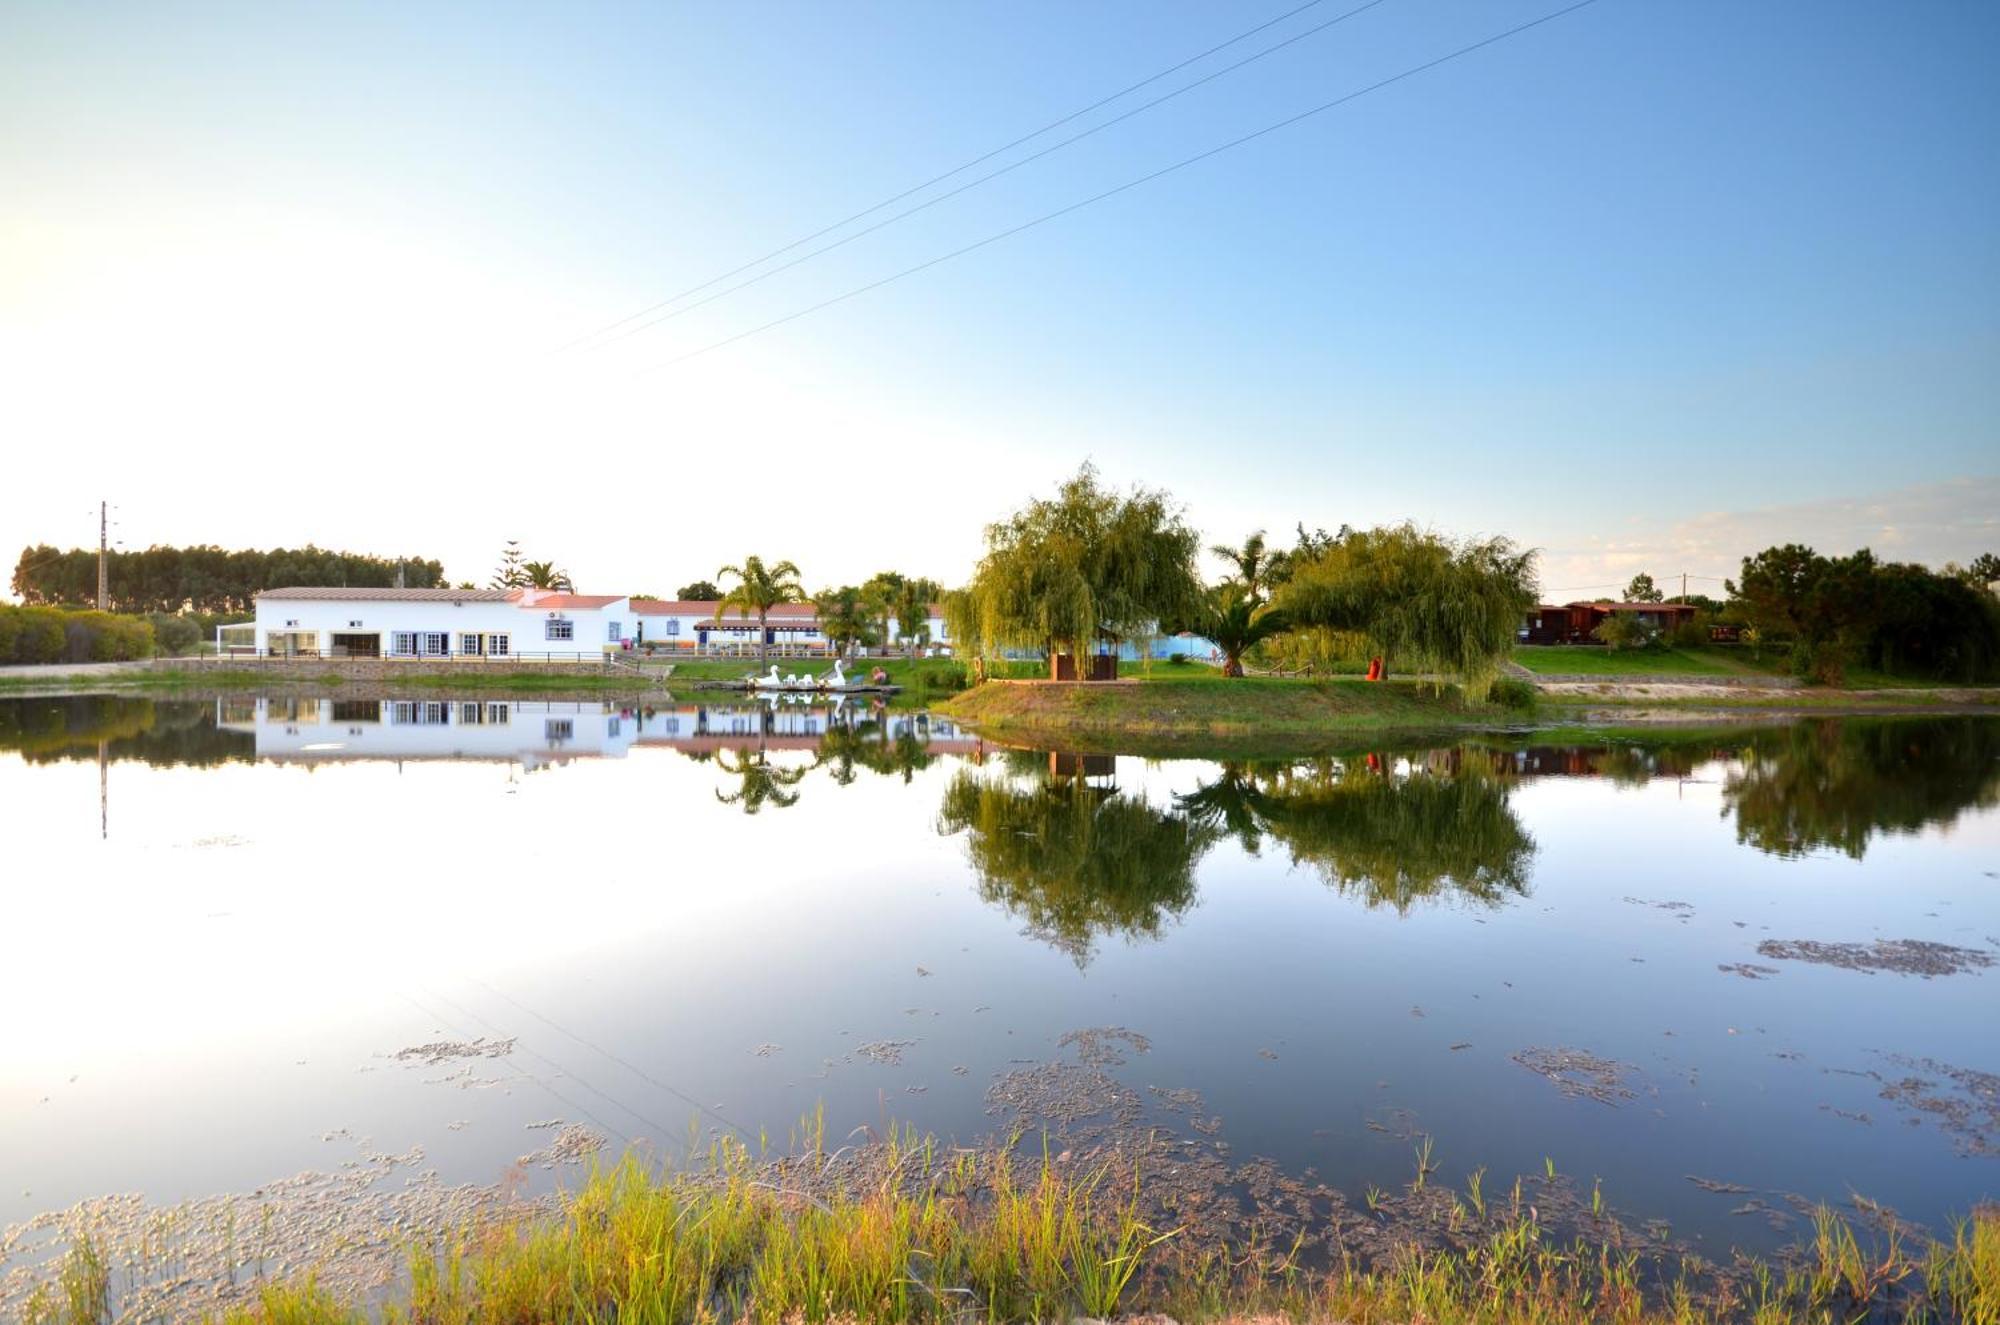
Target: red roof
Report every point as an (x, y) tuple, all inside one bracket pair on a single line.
[(576, 601), (696, 608)]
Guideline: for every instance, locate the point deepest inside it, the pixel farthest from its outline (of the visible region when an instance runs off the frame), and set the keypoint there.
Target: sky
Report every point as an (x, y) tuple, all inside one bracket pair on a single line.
[(1648, 286)]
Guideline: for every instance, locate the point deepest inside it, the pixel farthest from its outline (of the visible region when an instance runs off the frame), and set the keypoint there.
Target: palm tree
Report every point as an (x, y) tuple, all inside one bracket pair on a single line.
[(1236, 622), (759, 588), (544, 575), (878, 598), (761, 783), (1253, 562)]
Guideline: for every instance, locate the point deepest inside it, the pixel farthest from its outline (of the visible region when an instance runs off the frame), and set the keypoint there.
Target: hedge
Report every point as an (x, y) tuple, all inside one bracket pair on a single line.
[(50, 635)]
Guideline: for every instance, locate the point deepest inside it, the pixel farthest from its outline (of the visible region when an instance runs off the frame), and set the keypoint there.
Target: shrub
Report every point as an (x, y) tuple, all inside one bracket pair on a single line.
[(1511, 693), (39, 635), (175, 635), (1624, 630), (1691, 634)]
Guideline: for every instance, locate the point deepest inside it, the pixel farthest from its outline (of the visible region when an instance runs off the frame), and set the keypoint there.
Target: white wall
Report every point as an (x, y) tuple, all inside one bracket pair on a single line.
[(524, 626)]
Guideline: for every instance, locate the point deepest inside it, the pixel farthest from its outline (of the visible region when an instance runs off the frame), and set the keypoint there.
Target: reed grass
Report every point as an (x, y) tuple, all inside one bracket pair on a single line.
[(984, 1237)]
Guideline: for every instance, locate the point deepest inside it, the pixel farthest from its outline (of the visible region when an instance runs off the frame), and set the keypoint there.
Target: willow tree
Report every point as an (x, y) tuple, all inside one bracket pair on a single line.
[(1418, 599), (1090, 564)]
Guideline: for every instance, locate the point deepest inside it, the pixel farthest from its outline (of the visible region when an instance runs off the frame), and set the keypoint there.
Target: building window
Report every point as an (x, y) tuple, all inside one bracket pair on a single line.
[(496, 646), (469, 645), (496, 713), (470, 714), (559, 629), (611, 728), (436, 643), (615, 631), (559, 729), (673, 626), (404, 642)]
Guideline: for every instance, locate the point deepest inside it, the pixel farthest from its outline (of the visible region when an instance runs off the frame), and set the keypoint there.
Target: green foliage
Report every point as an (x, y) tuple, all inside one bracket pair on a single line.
[(544, 575), (1061, 574), (844, 617), (174, 635), (1073, 860), (510, 574), (1837, 612), (701, 591), (759, 588), (1512, 693), (1624, 630), (1421, 601), (1252, 563), (1839, 785), (203, 578), (34, 635), (1642, 589), (1237, 622)]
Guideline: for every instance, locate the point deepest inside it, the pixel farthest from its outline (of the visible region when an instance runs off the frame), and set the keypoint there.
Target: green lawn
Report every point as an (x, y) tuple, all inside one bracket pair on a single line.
[(1597, 660)]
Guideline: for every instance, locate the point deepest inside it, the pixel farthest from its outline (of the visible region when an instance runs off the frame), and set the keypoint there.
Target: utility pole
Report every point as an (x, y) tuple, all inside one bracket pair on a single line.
[(1684, 586), (103, 546)]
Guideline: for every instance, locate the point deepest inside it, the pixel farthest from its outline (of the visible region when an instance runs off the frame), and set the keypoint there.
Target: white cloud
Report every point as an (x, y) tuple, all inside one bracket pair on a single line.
[(1931, 523)]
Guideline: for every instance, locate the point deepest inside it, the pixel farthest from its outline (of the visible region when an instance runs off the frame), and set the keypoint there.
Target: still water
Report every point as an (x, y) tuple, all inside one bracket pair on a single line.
[(227, 918)]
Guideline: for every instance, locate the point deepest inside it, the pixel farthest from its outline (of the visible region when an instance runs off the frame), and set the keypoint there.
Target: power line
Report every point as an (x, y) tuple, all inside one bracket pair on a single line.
[(955, 170), (969, 185), (1128, 185)]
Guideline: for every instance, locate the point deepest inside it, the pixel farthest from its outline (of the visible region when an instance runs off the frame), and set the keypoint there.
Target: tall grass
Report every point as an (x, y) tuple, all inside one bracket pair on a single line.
[(967, 1237)]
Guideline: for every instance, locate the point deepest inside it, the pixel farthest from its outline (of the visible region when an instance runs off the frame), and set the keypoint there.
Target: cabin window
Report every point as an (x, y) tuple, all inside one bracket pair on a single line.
[(496, 713), (559, 629), (403, 642), (673, 626)]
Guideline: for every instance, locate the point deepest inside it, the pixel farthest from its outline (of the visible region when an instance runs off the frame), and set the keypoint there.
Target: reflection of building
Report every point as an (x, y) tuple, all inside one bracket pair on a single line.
[(303, 729), (1577, 623)]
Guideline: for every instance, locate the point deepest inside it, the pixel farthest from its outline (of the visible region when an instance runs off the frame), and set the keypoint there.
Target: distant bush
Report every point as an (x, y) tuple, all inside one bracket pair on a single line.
[(1624, 630), (1692, 633), (175, 635), (48, 635), (1512, 693), (937, 674)]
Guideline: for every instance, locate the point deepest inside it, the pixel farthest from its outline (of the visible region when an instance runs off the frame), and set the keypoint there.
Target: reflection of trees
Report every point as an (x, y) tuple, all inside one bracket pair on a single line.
[(165, 732), (847, 746), (1394, 839), (1838, 784), (759, 782), (1075, 861)]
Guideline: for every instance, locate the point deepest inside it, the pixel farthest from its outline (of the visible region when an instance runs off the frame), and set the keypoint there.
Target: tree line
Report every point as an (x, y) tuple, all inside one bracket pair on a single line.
[(205, 578)]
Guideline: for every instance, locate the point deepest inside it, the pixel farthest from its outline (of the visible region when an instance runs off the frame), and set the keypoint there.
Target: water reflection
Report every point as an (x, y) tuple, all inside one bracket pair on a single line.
[(1072, 856), (1840, 784), (1437, 825), (117, 727)]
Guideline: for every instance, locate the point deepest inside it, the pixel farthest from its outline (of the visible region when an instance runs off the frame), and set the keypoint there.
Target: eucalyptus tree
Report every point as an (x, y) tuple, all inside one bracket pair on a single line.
[(759, 588), (1090, 563), (1418, 599)]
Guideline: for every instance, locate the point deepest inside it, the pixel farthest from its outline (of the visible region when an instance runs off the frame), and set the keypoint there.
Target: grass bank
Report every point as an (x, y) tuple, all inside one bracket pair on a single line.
[(960, 1237), (170, 680), (1598, 660), (1172, 709)]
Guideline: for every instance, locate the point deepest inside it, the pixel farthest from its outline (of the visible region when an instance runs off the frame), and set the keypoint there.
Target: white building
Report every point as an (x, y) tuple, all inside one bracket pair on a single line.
[(530, 624), (791, 628)]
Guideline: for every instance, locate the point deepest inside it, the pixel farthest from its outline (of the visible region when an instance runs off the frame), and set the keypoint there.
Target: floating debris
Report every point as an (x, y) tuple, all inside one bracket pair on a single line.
[(887, 1053), (1902, 956), (1681, 909), (1848, 1114), (1098, 1046), (1579, 1074), (545, 1124), (1967, 1109), (1716, 1185), (445, 1051), (1748, 970), (571, 1145), (766, 1050)]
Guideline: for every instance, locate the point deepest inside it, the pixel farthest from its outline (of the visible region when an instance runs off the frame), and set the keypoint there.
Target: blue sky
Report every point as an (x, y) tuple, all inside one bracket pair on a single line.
[(1648, 286)]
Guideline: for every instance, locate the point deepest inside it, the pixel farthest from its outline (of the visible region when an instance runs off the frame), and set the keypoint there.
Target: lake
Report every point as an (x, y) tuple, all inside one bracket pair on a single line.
[(251, 936)]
